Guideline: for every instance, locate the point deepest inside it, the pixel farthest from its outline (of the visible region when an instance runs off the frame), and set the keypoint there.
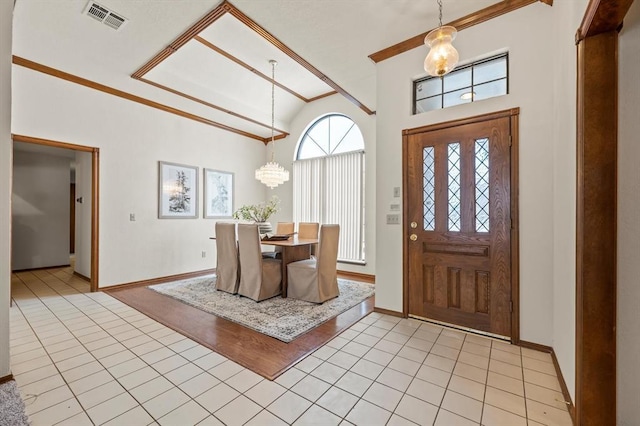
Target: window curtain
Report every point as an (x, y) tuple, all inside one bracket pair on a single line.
[(331, 190)]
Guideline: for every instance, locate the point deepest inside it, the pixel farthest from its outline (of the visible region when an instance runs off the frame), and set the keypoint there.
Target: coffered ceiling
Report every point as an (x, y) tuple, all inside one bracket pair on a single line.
[(210, 58)]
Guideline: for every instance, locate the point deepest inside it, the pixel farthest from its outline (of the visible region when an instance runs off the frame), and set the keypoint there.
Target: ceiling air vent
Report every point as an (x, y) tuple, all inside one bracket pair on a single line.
[(104, 15)]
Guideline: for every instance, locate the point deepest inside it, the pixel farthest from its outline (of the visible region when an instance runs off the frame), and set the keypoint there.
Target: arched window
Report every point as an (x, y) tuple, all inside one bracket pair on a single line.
[(328, 181)]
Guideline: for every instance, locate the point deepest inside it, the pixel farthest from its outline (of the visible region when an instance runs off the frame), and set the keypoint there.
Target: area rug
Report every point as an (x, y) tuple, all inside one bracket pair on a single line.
[(283, 319), (11, 405)]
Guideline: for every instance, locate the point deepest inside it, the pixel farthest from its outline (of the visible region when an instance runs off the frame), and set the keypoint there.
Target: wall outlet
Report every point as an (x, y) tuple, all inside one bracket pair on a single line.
[(394, 207), (393, 219), (132, 217), (396, 192), (204, 254)]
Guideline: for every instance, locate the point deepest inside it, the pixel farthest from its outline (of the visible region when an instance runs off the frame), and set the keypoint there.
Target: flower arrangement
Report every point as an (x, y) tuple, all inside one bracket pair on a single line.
[(260, 212)]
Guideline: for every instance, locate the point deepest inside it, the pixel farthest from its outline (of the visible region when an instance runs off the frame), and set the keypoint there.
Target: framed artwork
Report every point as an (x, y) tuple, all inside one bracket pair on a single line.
[(177, 191), (218, 194)]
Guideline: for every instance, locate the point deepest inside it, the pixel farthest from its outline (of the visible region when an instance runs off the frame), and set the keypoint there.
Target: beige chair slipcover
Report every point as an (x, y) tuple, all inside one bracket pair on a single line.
[(316, 279), (227, 267), (260, 278), (282, 228), (309, 230)]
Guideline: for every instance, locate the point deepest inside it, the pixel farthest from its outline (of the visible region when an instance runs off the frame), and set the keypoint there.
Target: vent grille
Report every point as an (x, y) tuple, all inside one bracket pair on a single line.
[(104, 15)]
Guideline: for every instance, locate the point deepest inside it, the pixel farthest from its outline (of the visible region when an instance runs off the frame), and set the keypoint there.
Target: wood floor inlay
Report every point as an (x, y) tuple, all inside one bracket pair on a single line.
[(262, 354)]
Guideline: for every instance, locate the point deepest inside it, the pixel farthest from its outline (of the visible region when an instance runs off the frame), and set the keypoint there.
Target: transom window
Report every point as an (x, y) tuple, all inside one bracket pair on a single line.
[(479, 80), (328, 181), (330, 135)]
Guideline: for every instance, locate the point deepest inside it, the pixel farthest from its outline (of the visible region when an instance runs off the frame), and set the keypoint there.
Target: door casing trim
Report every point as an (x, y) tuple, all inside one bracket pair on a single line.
[(513, 115), (95, 195)]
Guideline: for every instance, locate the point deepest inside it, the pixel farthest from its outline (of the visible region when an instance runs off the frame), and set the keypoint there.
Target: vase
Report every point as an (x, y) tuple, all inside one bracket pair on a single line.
[(264, 228)]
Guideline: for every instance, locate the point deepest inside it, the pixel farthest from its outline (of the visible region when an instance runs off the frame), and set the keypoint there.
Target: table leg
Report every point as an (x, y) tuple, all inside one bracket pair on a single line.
[(292, 254)]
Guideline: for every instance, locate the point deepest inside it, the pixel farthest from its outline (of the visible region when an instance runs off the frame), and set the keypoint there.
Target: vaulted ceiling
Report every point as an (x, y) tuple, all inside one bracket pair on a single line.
[(210, 59)]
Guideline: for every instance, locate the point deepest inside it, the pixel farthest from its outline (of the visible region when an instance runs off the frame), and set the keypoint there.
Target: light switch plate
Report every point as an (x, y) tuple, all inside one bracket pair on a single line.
[(396, 192), (393, 219)]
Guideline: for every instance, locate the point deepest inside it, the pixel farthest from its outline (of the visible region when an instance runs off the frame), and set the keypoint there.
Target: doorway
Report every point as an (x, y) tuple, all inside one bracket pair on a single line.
[(460, 216), (95, 157)]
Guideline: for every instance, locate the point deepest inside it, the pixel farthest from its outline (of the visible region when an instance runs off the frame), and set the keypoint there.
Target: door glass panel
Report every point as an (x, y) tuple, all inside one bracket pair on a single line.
[(482, 185), (454, 186), (428, 189)]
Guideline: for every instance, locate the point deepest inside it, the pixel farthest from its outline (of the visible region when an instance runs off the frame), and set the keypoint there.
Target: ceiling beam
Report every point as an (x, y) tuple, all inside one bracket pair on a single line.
[(293, 55), (17, 60), (475, 18), (248, 67), (217, 13), (210, 105)]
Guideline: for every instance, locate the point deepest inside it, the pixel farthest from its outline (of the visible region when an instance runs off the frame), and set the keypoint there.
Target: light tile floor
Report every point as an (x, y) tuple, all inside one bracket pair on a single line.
[(83, 358)]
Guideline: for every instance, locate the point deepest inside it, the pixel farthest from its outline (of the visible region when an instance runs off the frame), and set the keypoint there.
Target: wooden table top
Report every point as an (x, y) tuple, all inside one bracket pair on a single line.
[(291, 242)]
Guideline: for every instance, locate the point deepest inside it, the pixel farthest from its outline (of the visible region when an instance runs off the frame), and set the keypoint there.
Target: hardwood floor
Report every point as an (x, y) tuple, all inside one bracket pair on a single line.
[(262, 354)]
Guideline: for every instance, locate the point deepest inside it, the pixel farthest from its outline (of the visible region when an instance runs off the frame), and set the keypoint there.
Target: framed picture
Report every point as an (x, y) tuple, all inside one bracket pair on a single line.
[(218, 194), (177, 191)]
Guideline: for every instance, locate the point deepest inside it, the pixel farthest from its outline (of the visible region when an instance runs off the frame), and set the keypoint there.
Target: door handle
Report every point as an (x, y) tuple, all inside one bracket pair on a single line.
[(413, 237)]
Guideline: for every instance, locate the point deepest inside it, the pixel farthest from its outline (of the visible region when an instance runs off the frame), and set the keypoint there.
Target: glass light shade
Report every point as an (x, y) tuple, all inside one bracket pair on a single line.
[(272, 174), (442, 57)]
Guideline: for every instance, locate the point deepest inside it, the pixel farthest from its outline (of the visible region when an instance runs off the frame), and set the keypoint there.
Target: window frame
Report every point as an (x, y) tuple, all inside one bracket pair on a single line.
[(442, 92), (322, 159)]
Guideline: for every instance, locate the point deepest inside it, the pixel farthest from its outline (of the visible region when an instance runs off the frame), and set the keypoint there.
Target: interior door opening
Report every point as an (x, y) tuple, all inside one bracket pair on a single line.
[(83, 240)]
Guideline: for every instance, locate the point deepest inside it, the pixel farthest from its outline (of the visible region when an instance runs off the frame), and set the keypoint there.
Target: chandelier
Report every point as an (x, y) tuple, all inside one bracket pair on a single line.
[(272, 174), (442, 57)]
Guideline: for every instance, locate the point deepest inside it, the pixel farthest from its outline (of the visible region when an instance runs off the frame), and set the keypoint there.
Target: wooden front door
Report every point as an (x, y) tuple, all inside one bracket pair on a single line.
[(458, 262)]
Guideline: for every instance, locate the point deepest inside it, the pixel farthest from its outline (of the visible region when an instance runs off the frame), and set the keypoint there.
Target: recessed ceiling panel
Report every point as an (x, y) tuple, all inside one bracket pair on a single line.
[(234, 37), (198, 71)]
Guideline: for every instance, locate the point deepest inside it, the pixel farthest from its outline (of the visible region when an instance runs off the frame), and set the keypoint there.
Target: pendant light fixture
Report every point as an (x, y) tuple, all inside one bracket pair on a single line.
[(442, 57), (272, 174)]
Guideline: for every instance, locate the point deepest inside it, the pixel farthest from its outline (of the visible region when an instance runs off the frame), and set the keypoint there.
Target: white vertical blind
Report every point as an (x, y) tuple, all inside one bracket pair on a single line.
[(330, 190)]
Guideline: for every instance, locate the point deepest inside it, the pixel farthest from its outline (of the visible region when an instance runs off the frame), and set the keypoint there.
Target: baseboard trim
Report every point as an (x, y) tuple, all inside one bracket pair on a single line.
[(79, 275), (563, 386), (536, 346), (556, 365), (6, 379), (388, 312), (159, 280), (357, 276), (41, 268)]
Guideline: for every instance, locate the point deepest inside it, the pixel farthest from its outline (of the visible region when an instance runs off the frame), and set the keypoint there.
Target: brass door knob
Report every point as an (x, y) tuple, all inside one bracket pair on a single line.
[(413, 237)]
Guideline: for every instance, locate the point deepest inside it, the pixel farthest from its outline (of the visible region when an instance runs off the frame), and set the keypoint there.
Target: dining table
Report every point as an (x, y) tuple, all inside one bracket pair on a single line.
[(293, 250)]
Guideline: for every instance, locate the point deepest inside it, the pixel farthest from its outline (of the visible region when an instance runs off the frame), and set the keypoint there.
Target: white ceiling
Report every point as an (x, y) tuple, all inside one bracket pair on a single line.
[(335, 36)]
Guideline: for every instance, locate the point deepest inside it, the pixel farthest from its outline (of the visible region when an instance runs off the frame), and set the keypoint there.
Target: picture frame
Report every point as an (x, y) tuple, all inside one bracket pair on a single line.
[(177, 191), (218, 194)]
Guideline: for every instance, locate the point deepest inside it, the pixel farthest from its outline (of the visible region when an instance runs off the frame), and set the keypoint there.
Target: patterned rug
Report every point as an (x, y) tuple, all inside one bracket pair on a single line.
[(11, 406), (284, 319)]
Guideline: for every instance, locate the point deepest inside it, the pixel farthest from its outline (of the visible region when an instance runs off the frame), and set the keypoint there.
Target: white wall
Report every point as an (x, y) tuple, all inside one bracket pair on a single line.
[(566, 19), (40, 210), (531, 89), (83, 214), (628, 336), (286, 150), (132, 139), (6, 16)]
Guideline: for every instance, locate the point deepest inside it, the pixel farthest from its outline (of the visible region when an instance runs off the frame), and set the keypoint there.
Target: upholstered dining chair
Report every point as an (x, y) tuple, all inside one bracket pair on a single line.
[(309, 230), (260, 278), (316, 279), (282, 228), (227, 266)]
